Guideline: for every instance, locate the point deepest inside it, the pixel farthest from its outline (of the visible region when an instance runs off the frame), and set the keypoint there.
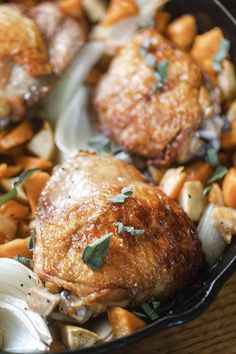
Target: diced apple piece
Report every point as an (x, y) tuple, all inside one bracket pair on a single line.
[(7, 229), (156, 173), (182, 31), (123, 322), (173, 181), (224, 220), (42, 144), (192, 200), (74, 337), (227, 80), (33, 187)]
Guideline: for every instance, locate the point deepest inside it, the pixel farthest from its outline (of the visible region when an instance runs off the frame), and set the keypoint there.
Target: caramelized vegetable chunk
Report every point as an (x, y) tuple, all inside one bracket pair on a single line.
[(229, 188), (123, 322), (182, 31)]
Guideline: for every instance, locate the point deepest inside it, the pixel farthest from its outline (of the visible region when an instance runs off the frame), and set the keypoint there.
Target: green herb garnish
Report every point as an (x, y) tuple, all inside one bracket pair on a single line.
[(24, 260), (160, 73), (18, 181), (94, 253), (130, 229), (219, 173), (145, 47), (212, 157), (32, 240), (151, 60), (120, 198), (150, 311), (221, 54)]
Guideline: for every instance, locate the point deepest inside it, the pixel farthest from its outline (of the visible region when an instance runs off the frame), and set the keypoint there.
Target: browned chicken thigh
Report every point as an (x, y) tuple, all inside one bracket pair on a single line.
[(76, 208), (146, 111), (36, 45)]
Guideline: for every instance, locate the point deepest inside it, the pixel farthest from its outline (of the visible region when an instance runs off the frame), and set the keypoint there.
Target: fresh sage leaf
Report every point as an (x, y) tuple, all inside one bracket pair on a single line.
[(19, 180), (149, 311), (9, 196), (212, 157), (32, 240), (221, 54), (120, 198), (161, 74), (94, 253), (24, 260), (219, 173), (23, 177), (129, 229)]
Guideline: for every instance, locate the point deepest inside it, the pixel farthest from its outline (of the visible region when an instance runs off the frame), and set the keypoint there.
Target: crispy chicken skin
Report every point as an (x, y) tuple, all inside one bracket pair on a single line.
[(157, 124), (74, 210), (36, 45)]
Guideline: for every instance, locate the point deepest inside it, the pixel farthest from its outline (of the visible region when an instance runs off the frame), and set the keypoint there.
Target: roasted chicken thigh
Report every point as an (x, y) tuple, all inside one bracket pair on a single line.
[(37, 43), (76, 208), (147, 111)]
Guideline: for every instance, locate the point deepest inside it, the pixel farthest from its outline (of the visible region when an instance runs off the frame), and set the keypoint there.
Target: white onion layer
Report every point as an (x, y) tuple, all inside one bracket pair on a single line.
[(213, 243), (71, 80), (74, 128), (24, 330)]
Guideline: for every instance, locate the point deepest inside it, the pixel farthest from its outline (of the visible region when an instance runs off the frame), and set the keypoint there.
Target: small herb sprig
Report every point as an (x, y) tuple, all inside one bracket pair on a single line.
[(160, 73), (120, 198), (130, 229), (17, 182), (218, 174), (149, 310), (221, 54), (212, 157), (160, 70), (94, 254), (32, 240), (24, 260)]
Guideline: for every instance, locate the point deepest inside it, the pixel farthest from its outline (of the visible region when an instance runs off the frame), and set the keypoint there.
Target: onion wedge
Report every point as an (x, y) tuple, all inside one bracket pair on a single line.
[(213, 243), (24, 330), (74, 128), (71, 80)]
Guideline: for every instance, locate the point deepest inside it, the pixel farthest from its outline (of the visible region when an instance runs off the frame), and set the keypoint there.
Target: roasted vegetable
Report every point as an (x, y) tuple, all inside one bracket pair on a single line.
[(123, 322), (192, 200)]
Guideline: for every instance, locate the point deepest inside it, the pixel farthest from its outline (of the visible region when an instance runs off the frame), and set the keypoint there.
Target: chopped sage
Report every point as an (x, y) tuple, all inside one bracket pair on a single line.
[(19, 180), (219, 173), (129, 229), (145, 47), (212, 157), (149, 311), (24, 260), (9, 196), (120, 198), (221, 54), (32, 240), (93, 255), (160, 73)]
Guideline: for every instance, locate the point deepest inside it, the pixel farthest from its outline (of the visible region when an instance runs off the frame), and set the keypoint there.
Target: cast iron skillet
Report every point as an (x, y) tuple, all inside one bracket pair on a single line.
[(195, 301)]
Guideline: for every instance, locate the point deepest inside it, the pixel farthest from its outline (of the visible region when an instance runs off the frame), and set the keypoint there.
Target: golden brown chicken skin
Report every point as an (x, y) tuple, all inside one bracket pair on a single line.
[(157, 124), (36, 45), (75, 209)]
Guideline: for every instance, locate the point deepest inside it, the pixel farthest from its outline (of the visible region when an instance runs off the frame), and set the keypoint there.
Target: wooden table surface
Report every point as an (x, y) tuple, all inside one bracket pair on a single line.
[(212, 333)]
